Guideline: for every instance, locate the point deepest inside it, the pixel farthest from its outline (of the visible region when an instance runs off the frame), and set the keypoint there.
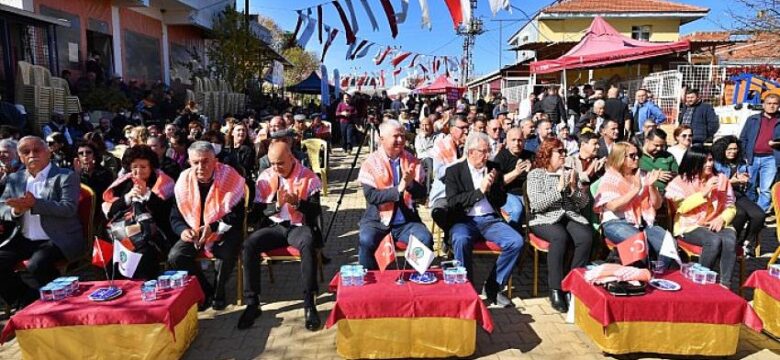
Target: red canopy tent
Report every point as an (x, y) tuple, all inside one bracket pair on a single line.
[(441, 85), (603, 45)]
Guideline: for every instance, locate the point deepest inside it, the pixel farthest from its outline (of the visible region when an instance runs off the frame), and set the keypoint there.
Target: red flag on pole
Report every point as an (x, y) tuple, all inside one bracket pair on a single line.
[(633, 249), (102, 252), (385, 253)]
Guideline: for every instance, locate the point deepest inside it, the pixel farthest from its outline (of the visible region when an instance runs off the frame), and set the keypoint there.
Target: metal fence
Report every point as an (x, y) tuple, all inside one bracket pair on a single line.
[(665, 87), (515, 94), (708, 79)]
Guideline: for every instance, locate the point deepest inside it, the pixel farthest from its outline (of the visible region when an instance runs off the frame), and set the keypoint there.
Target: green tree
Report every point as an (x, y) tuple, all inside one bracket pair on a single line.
[(235, 52), (304, 62)]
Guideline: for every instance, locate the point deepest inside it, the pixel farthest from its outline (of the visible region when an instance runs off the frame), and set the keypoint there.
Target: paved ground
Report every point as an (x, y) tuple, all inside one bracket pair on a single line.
[(533, 330)]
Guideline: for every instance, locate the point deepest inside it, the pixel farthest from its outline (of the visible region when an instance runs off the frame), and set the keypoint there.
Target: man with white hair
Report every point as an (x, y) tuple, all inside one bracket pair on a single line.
[(392, 179), (40, 201), (208, 219), (9, 161), (475, 194), (496, 134)]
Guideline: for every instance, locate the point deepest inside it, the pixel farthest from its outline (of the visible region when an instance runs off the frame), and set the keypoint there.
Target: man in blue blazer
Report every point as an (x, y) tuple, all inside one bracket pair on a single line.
[(40, 202)]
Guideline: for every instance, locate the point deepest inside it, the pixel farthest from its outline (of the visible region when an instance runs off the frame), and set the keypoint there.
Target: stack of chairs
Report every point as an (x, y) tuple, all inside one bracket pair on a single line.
[(42, 94), (215, 98)]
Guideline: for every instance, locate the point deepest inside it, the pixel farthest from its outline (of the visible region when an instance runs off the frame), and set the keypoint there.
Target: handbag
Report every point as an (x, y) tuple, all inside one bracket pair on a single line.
[(137, 225), (626, 288)]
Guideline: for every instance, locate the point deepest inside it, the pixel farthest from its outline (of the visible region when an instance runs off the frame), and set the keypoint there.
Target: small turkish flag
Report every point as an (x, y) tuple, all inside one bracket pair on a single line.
[(102, 252), (385, 253), (633, 249)]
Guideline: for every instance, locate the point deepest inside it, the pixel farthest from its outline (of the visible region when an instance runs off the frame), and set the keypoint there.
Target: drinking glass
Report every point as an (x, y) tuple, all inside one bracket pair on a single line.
[(46, 293), (700, 277), (358, 275), (462, 278), (164, 282), (149, 290), (177, 281), (451, 275), (658, 267), (59, 291), (346, 275), (685, 269), (711, 277)]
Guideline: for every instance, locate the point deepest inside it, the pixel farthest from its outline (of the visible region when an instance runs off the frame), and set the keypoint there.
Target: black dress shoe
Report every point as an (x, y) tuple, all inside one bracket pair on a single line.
[(219, 305), (248, 317), (558, 301), (206, 303), (312, 318), (495, 297)]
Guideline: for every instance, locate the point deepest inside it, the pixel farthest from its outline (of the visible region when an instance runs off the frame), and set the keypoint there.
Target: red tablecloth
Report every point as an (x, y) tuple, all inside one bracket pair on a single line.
[(170, 307), (760, 279), (381, 297), (711, 304)]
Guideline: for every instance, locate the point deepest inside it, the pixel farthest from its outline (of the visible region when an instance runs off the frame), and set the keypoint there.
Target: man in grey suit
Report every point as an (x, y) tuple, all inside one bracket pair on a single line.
[(40, 202)]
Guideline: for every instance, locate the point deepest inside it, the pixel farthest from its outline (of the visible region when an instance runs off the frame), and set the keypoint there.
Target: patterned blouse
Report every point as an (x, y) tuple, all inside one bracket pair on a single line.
[(548, 205)]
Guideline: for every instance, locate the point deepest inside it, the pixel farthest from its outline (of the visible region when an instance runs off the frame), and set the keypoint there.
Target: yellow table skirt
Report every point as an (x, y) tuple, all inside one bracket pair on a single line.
[(659, 337), (427, 337), (141, 341), (768, 310)]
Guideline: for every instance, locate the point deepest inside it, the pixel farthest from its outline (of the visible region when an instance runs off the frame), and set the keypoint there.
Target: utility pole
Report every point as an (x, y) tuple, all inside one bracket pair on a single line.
[(469, 32), (501, 38)]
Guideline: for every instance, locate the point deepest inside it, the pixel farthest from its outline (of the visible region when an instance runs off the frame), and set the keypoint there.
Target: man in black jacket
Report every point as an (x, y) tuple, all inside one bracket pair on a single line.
[(618, 110), (475, 194), (700, 116), (515, 163), (553, 106), (288, 194)]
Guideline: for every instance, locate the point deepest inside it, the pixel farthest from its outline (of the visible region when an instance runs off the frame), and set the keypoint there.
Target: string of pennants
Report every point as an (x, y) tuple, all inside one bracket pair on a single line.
[(310, 21)]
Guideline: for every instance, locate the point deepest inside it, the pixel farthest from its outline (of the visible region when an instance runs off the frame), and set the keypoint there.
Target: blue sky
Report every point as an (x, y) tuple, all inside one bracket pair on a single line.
[(441, 40)]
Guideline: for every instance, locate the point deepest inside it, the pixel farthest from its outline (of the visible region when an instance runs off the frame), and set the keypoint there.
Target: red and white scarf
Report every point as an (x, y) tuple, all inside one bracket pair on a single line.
[(226, 191), (301, 181), (376, 172), (163, 188), (612, 186)]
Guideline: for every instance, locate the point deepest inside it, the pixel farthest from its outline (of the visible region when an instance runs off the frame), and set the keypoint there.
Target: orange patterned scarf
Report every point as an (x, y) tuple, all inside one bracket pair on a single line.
[(163, 188), (679, 189), (612, 186), (376, 172), (303, 182), (444, 150), (226, 191)]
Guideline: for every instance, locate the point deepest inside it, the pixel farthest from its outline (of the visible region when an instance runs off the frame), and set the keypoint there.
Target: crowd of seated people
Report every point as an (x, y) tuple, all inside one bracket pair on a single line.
[(484, 173)]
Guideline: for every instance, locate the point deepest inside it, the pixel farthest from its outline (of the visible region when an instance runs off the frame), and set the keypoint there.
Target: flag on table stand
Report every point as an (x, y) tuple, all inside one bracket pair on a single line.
[(126, 260), (418, 255), (102, 252), (669, 249), (633, 249), (385, 253)]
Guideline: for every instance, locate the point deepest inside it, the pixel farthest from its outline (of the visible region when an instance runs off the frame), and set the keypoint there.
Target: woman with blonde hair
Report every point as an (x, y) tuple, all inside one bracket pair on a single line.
[(627, 199)]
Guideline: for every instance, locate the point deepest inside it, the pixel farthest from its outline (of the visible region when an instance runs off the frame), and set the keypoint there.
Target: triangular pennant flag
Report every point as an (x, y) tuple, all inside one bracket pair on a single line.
[(385, 253), (456, 13), (345, 22), (319, 22), (381, 56), (350, 50), (126, 260), (426, 17), (370, 13), (418, 255), (360, 54), (359, 48), (399, 58), (297, 26), (332, 35), (496, 5), (352, 17), (307, 32), (390, 14), (324, 86), (400, 17), (669, 248), (633, 249), (414, 60), (102, 252), (397, 71)]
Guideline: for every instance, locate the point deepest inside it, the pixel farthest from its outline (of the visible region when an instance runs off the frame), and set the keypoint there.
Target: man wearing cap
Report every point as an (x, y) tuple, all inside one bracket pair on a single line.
[(57, 124)]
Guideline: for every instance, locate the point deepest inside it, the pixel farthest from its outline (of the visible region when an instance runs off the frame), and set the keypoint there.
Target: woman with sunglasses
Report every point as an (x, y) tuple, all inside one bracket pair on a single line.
[(683, 135), (705, 207), (556, 201), (627, 199), (730, 161)]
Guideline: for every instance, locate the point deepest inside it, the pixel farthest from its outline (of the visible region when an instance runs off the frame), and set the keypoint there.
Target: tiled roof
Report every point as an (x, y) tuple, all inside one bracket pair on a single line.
[(617, 6), (708, 36), (761, 46)]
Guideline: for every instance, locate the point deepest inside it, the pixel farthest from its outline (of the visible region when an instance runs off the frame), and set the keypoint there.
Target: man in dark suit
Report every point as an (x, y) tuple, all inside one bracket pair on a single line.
[(41, 201), (610, 133), (475, 194), (618, 110)]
